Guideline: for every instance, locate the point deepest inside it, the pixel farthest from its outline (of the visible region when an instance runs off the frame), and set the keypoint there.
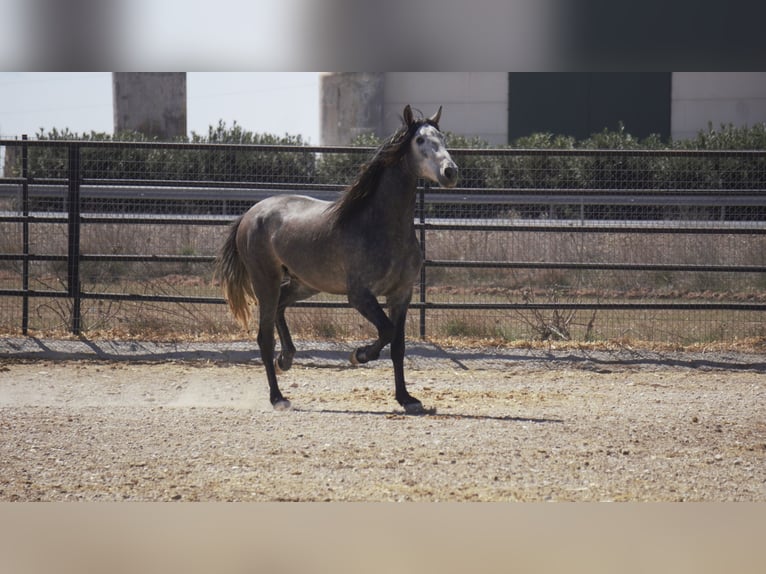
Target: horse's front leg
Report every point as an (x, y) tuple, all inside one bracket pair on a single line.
[(399, 318), (366, 303)]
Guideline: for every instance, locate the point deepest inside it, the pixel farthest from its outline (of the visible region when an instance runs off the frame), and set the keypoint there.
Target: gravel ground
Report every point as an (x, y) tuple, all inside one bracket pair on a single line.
[(84, 420)]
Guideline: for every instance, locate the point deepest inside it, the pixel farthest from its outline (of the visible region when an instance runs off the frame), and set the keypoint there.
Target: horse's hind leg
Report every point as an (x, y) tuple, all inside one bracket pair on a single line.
[(266, 287), (266, 345), (289, 293), (284, 359)]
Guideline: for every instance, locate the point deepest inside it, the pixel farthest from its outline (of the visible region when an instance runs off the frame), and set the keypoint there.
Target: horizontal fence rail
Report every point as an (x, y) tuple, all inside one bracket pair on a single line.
[(531, 236)]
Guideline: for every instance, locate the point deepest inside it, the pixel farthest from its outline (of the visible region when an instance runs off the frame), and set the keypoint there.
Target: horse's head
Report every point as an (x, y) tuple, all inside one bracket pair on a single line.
[(431, 159)]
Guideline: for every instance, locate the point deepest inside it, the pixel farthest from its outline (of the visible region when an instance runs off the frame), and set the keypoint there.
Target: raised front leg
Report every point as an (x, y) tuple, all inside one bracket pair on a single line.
[(366, 303)]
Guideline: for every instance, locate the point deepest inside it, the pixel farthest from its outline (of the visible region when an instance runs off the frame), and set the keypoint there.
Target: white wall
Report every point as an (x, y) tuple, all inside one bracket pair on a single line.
[(475, 103), (738, 98)]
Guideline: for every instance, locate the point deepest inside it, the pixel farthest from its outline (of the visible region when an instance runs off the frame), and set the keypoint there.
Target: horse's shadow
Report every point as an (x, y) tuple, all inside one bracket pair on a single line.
[(430, 414), (332, 358)]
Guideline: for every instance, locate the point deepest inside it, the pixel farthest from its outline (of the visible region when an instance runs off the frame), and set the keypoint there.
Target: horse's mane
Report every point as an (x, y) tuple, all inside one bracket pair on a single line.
[(388, 154)]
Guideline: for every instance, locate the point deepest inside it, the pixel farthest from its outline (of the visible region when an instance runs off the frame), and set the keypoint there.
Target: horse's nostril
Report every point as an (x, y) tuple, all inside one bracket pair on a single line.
[(450, 173)]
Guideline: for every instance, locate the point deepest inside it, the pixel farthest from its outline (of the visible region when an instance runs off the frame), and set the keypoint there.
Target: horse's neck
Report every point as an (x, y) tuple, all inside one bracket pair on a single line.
[(394, 200)]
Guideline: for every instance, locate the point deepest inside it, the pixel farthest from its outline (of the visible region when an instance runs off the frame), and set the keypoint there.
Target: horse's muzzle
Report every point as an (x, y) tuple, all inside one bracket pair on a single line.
[(449, 174)]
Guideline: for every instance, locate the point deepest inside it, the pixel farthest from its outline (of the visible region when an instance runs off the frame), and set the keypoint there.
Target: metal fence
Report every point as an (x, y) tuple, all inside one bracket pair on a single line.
[(120, 238)]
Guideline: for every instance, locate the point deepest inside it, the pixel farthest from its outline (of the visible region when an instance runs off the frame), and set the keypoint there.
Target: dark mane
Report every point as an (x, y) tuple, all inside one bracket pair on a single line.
[(361, 190)]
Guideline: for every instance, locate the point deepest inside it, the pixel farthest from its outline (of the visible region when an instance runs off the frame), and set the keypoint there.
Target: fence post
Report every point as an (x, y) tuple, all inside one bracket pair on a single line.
[(73, 199), (25, 235), (422, 201)]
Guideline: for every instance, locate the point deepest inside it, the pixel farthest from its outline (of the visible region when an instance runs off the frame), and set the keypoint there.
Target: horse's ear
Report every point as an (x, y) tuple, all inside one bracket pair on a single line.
[(434, 119), (407, 114)]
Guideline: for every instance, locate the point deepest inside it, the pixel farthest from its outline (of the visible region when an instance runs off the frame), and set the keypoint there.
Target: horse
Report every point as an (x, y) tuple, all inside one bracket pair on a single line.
[(287, 248)]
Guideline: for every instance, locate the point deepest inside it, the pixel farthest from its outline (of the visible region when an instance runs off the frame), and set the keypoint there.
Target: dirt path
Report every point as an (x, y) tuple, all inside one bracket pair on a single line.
[(107, 421)]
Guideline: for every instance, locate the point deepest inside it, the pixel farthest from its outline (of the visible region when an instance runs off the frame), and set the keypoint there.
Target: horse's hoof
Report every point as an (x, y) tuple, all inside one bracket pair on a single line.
[(353, 359), (282, 405), (282, 364), (414, 408)]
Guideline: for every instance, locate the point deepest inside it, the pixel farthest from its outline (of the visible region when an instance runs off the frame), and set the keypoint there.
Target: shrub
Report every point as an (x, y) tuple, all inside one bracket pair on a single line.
[(342, 168), (180, 164)]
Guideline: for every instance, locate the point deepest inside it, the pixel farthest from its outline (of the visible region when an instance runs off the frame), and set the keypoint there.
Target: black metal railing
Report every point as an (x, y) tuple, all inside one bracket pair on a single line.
[(79, 196)]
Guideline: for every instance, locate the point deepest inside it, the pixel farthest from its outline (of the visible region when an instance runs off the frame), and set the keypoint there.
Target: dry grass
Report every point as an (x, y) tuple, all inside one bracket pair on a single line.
[(172, 321)]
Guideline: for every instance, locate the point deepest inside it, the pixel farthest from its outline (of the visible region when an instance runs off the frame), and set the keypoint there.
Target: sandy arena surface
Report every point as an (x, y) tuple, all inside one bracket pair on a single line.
[(83, 420)]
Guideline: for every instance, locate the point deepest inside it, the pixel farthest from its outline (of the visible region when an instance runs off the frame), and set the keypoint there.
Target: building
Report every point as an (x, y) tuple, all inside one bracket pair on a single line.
[(501, 106), (152, 103)]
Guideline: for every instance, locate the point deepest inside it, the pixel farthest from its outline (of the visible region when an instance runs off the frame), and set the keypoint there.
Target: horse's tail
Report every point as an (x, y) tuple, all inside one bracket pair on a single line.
[(235, 281)]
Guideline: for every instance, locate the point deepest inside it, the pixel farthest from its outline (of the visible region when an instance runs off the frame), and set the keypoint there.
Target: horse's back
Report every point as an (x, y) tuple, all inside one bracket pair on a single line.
[(294, 233), (271, 215), (280, 208)]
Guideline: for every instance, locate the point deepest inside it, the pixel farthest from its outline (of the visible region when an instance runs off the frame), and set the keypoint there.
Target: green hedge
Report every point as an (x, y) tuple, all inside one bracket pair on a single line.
[(638, 173), (604, 171), (162, 163)]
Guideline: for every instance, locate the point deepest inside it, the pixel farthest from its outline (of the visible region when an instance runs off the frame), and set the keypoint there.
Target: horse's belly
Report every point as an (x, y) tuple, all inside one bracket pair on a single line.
[(325, 280), (315, 263), (329, 274)]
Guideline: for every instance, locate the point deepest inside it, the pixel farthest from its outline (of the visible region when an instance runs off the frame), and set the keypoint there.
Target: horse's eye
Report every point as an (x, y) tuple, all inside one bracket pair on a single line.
[(420, 140)]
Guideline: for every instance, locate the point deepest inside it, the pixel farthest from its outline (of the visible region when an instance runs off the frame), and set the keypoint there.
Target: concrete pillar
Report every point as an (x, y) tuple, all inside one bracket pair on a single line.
[(352, 104), (152, 103)]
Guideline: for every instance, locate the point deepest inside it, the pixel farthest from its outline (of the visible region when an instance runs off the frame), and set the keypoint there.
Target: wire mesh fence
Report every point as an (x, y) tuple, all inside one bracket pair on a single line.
[(651, 245)]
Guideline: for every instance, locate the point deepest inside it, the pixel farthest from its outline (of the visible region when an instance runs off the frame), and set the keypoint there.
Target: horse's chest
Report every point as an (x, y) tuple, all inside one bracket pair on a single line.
[(396, 270)]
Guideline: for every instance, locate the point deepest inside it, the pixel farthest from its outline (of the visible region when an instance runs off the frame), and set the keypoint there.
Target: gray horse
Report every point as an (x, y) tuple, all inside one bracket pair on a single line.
[(289, 247)]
